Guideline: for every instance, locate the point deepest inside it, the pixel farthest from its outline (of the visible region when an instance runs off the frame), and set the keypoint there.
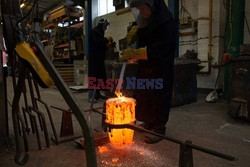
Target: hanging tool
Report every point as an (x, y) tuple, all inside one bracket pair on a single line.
[(16, 117), (39, 99), (12, 16)]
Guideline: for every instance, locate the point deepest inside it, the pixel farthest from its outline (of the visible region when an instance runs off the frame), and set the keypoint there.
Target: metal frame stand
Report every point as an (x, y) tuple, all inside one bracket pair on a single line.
[(186, 155), (186, 148), (67, 130)]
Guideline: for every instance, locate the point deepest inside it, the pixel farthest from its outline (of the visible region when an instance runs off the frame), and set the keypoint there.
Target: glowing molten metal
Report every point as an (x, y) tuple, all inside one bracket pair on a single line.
[(120, 110)]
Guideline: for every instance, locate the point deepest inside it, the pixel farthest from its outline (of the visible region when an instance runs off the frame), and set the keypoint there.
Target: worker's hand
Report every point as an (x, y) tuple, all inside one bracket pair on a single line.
[(131, 35), (139, 54), (109, 38)]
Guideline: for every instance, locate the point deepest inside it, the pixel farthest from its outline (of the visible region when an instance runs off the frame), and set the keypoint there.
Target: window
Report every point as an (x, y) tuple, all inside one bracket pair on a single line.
[(106, 6)]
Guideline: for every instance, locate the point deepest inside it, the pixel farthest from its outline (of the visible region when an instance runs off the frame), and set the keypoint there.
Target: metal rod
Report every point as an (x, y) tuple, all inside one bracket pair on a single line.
[(41, 115), (25, 120), (36, 129), (202, 149), (36, 88), (212, 152), (119, 84), (25, 139), (210, 30), (15, 109), (74, 106), (97, 108), (32, 96), (60, 109), (50, 119)]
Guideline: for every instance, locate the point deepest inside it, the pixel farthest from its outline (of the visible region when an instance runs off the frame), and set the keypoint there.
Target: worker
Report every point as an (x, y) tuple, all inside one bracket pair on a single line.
[(156, 37), (97, 49)]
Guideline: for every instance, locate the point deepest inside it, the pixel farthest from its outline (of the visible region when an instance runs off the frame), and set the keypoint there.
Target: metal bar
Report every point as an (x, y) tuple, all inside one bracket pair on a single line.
[(25, 139), (210, 30), (41, 115), (3, 106), (26, 107), (119, 84), (36, 129), (60, 109), (32, 96), (185, 156), (50, 119), (15, 109), (186, 143), (25, 120), (72, 103), (95, 109), (212, 152), (37, 89), (202, 149)]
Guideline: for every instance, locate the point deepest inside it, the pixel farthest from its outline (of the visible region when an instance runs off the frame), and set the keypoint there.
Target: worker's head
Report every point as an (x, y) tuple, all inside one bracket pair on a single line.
[(150, 13), (142, 10), (103, 23), (144, 7)]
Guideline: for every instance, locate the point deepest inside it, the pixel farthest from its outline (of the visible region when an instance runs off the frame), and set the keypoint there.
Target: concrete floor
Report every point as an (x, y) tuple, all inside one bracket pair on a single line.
[(205, 124)]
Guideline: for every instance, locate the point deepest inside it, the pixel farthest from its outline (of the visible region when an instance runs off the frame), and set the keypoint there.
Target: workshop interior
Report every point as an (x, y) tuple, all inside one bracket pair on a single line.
[(49, 113)]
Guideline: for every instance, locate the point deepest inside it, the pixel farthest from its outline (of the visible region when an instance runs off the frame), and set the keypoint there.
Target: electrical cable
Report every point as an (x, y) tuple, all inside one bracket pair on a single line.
[(201, 38), (183, 10), (247, 23), (31, 9), (228, 16), (188, 44)]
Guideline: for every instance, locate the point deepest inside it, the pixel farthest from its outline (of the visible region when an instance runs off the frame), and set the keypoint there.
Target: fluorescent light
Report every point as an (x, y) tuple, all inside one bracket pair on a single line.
[(22, 5)]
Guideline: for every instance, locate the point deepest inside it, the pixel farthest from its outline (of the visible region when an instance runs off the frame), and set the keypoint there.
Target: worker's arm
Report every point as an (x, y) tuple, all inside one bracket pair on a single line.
[(132, 35), (139, 54)]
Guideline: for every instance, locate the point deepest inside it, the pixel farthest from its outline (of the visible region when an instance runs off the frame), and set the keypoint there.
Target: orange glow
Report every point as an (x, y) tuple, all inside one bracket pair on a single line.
[(115, 160), (102, 149), (120, 110), (118, 94)]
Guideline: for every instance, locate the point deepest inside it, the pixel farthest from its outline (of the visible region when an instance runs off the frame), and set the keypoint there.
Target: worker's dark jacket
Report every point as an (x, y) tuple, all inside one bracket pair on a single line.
[(159, 37), (97, 47)]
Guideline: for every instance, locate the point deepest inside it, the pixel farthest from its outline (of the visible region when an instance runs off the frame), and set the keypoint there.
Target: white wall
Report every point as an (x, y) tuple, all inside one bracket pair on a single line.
[(197, 9), (185, 44), (118, 25), (208, 80)]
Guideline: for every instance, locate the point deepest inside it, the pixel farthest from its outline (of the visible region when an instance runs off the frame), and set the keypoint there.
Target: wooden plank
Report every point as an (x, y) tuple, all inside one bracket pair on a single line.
[(50, 25), (63, 12), (77, 25), (59, 12), (62, 46)]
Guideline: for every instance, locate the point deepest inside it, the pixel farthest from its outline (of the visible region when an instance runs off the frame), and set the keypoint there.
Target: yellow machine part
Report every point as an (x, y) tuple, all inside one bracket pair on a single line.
[(24, 50)]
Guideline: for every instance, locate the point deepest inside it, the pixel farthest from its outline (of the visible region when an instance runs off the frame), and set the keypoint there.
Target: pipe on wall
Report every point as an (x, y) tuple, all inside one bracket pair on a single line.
[(234, 38), (173, 6), (210, 45)]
